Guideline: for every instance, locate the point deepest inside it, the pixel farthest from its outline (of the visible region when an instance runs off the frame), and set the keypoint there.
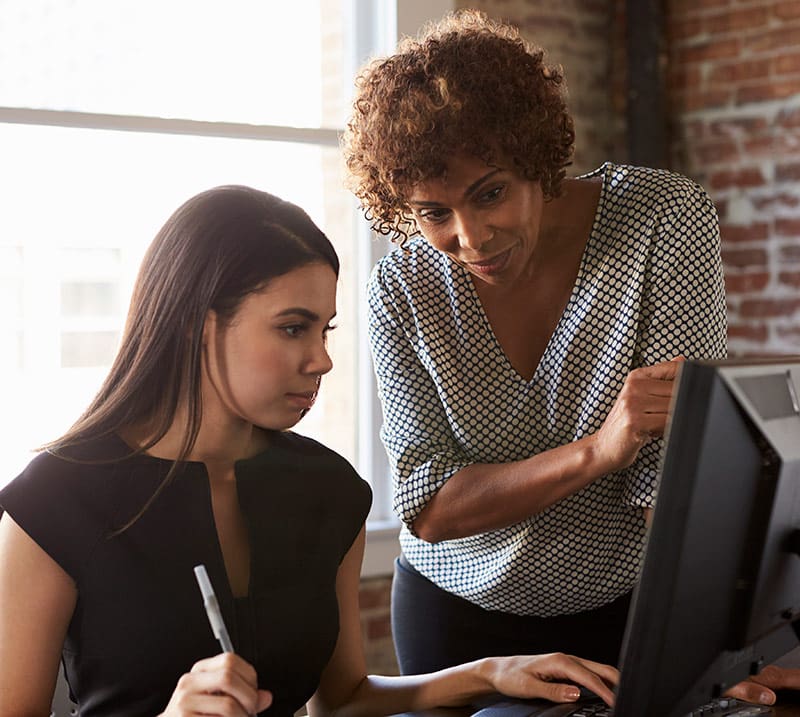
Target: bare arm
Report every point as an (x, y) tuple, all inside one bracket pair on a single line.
[(347, 691), (37, 599), (483, 497)]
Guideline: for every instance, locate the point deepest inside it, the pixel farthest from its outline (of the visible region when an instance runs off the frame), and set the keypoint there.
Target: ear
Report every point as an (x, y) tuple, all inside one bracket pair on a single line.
[(209, 326)]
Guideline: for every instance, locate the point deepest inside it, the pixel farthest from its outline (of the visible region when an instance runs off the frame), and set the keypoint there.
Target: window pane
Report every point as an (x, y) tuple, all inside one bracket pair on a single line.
[(81, 207), (179, 58), (89, 298), (88, 348)]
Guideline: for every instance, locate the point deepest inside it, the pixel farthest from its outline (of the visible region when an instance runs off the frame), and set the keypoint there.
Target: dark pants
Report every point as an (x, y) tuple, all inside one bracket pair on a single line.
[(434, 629)]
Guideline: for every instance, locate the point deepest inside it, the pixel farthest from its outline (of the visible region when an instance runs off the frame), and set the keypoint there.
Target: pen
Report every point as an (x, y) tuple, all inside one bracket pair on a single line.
[(212, 609)]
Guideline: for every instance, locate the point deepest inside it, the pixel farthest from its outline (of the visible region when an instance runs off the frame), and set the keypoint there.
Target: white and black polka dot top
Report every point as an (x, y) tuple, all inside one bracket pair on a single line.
[(649, 287)]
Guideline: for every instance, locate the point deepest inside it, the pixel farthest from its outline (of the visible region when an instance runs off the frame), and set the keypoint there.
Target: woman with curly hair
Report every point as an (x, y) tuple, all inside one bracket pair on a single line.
[(525, 344)]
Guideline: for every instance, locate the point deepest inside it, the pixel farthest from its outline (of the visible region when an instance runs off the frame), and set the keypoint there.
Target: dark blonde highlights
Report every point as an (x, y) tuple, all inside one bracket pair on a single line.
[(467, 84)]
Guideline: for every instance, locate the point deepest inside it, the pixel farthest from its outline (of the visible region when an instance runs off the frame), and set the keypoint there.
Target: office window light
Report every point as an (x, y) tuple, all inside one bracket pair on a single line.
[(114, 113)]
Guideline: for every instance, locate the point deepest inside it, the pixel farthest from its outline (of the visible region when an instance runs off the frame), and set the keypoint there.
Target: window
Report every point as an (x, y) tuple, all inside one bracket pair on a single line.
[(111, 115)]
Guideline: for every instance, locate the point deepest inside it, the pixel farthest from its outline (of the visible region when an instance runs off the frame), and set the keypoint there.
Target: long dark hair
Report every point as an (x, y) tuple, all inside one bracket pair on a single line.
[(215, 249)]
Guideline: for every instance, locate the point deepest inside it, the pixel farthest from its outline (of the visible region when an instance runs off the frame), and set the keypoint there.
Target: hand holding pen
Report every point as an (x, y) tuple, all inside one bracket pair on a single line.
[(224, 684)]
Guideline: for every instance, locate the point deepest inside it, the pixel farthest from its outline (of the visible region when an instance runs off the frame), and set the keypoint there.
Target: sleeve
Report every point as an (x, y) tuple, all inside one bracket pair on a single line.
[(683, 309), (52, 503), (423, 452)]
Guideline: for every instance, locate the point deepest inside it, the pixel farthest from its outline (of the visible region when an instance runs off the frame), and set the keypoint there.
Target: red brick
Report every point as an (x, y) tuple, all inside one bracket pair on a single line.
[(788, 172), (694, 129), (790, 278), (788, 332), (788, 117), (710, 50), (743, 178), (770, 202), (786, 10), (378, 627), (679, 7), (737, 126), (785, 64), (768, 91), (736, 72), (682, 28), (684, 77), (746, 283), (734, 20), (765, 146), (789, 253), (787, 227), (374, 594), (768, 308), (692, 101), (750, 332), (742, 258), (731, 233), (716, 152), (780, 38)]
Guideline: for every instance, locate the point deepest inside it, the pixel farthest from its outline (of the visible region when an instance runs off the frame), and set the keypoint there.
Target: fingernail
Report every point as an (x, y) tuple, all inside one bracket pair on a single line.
[(573, 693), (765, 698)]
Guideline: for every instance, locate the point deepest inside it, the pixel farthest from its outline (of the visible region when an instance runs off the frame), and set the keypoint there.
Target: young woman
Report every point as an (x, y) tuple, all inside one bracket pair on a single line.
[(185, 458)]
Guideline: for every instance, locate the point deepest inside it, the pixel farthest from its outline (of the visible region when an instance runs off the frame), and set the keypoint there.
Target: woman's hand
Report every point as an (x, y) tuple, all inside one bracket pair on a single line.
[(761, 688), (639, 414), (553, 677), (224, 685)]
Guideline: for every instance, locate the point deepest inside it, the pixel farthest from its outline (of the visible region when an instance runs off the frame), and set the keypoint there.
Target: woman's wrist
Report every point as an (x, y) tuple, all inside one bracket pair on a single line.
[(596, 462), (486, 670)]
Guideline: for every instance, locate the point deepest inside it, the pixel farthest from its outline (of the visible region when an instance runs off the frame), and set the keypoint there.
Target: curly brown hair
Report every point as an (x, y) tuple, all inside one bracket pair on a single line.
[(467, 84)]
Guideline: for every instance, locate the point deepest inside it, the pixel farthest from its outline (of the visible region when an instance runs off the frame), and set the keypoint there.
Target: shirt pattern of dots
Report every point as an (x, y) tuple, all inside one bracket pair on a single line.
[(649, 288)]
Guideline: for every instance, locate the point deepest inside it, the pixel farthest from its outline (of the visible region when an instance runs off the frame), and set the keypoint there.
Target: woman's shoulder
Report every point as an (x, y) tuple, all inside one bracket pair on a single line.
[(69, 474), (648, 186), (313, 455), (403, 266)]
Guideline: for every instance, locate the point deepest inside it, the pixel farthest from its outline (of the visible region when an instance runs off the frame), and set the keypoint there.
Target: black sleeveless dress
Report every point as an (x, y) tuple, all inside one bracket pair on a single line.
[(139, 622)]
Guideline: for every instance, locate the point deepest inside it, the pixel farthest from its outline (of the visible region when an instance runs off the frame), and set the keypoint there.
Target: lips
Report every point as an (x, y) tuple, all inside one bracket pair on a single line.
[(303, 400), (492, 265)]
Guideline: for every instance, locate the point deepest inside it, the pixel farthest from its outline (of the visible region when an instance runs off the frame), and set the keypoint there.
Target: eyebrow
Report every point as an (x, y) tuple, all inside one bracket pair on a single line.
[(469, 190), (301, 311)]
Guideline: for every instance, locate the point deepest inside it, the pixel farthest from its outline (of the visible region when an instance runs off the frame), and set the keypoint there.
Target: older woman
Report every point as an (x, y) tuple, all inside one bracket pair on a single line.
[(525, 344)]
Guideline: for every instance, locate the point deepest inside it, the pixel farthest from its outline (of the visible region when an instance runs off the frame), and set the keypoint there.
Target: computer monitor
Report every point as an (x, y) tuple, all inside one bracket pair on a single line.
[(720, 584)]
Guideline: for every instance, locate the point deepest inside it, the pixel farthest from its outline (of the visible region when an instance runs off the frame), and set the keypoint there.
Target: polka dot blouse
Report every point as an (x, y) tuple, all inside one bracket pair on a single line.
[(649, 287)]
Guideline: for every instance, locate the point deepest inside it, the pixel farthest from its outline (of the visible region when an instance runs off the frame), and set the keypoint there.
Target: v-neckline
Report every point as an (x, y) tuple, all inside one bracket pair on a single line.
[(472, 291)]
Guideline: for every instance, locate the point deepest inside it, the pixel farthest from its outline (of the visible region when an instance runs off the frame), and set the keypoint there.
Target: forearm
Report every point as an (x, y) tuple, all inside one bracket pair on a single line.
[(378, 695), (483, 497)]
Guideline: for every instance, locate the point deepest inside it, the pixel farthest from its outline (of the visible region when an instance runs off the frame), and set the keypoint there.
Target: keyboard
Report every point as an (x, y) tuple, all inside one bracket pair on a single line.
[(594, 707)]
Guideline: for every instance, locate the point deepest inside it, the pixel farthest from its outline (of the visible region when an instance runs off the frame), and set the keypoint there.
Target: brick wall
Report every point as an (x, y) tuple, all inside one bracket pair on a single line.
[(575, 34), (376, 626), (733, 79)]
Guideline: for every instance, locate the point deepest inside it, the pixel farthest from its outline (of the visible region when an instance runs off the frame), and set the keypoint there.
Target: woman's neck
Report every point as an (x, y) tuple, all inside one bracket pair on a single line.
[(218, 442)]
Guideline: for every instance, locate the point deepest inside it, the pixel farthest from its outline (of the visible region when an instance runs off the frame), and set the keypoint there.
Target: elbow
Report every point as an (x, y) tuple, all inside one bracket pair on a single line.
[(428, 528)]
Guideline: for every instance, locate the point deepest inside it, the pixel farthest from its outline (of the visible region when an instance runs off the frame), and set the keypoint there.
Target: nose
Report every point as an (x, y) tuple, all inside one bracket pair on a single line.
[(319, 362), (471, 232)]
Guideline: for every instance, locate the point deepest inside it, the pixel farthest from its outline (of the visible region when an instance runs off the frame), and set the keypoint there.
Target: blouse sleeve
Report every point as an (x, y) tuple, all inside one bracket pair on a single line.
[(683, 308), (422, 451)]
